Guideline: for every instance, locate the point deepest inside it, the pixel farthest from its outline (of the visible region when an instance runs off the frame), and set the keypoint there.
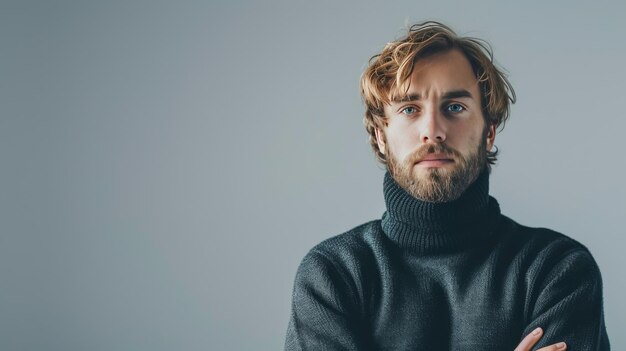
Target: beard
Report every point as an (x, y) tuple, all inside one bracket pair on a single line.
[(434, 184)]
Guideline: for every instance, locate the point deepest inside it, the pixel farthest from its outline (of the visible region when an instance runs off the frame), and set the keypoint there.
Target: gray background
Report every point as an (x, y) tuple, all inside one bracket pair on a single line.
[(166, 165)]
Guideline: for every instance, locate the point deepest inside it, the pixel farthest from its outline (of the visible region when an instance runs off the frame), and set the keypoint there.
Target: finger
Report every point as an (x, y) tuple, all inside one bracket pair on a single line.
[(531, 339), (559, 346)]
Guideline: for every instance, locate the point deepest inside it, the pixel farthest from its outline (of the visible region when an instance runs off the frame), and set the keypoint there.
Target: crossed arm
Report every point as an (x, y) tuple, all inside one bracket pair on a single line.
[(531, 339), (564, 309), (567, 303)]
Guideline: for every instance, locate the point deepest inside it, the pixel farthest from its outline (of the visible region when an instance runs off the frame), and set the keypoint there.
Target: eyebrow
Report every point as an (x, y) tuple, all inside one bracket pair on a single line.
[(454, 94)]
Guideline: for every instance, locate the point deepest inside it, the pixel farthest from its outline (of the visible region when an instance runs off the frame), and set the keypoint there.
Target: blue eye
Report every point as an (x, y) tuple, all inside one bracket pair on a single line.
[(455, 108), (409, 110)]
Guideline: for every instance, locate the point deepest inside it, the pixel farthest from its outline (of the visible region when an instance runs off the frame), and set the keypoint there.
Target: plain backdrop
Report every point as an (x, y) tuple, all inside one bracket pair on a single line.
[(164, 166)]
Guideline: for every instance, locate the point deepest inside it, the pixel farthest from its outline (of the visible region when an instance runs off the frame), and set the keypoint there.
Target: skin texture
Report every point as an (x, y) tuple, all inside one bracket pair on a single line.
[(531, 339)]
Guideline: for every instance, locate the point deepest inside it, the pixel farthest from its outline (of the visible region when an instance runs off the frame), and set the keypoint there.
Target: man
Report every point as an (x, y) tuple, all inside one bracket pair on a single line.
[(443, 269)]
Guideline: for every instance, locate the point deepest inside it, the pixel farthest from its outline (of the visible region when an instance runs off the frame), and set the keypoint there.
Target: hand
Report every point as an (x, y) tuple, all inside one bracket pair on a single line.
[(532, 338)]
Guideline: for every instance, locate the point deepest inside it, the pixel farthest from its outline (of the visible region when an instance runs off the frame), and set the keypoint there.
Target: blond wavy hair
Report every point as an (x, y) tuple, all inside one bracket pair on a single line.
[(388, 73)]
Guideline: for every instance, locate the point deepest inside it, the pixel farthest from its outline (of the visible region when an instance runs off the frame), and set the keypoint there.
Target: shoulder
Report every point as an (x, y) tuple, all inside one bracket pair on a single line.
[(542, 239), (546, 251), (345, 253), (351, 241), (350, 246)]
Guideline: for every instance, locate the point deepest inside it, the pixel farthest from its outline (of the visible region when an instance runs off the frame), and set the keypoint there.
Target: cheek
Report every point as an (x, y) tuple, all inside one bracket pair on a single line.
[(402, 144), (463, 141), (402, 133)]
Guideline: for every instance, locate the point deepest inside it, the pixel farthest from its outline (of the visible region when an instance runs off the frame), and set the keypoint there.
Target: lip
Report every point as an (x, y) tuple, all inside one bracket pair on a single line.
[(435, 160), (435, 157)]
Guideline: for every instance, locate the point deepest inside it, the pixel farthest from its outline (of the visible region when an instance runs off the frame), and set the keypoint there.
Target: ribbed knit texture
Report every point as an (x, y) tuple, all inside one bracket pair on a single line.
[(447, 276), (439, 227)]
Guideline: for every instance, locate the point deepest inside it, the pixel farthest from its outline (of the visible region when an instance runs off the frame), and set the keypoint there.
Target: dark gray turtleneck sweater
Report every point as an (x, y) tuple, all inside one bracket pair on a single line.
[(447, 276)]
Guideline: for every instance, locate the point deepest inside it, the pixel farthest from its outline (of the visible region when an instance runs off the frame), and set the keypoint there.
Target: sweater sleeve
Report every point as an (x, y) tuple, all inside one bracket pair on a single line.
[(568, 304), (324, 308)]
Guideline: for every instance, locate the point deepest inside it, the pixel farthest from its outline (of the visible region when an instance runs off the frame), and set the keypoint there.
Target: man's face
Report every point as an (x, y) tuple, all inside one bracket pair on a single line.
[(436, 140)]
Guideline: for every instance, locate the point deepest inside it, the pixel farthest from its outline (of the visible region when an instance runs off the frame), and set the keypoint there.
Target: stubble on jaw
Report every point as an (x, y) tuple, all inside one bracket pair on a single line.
[(438, 184)]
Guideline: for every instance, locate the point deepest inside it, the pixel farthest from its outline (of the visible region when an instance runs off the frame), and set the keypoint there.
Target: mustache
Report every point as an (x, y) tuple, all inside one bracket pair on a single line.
[(426, 150)]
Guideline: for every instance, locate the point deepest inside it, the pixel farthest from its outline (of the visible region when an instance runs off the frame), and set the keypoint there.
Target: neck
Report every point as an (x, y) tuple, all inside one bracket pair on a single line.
[(433, 227)]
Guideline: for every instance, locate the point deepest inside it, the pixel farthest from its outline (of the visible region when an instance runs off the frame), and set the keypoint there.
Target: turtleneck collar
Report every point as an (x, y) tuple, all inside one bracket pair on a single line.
[(428, 227)]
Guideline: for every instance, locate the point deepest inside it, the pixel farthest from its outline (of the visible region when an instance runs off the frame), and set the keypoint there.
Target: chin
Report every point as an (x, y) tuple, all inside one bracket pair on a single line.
[(419, 171)]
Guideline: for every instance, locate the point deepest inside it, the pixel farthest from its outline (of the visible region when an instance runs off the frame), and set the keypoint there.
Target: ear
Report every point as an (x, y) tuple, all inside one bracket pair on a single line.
[(380, 140), (491, 136)]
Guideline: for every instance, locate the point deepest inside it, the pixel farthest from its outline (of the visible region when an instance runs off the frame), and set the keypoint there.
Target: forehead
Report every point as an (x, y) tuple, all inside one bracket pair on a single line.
[(439, 73)]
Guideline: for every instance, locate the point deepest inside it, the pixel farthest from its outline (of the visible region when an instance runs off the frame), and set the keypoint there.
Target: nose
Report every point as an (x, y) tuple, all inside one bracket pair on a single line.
[(432, 128)]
